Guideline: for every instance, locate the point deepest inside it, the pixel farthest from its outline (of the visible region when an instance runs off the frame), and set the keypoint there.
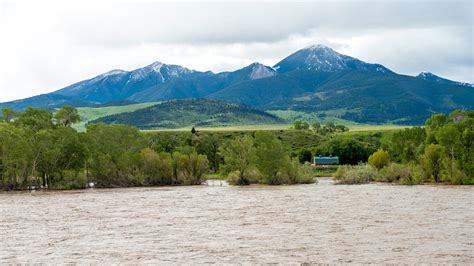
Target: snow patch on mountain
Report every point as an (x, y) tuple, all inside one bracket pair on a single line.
[(260, 71), (322, 58), (433, 77)]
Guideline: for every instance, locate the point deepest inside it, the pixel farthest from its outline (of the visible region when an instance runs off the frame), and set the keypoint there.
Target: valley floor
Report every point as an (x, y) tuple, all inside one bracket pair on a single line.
[(352, 127)]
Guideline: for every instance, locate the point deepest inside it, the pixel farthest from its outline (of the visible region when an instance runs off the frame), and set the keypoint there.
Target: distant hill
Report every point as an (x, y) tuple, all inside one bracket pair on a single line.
[(89, 114), (313, 80), (192, 112)]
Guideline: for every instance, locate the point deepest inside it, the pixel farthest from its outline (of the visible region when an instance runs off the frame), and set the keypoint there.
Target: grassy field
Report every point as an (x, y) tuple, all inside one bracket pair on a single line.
[(91, 113), (362, 127), (231, 128), (352, 128), (321, 116)]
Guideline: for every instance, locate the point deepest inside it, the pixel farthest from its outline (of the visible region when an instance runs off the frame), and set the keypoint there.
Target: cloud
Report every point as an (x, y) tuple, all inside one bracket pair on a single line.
[(52, 44)]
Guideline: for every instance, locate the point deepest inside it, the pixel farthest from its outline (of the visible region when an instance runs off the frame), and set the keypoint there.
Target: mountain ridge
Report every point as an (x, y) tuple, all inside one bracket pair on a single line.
[(313, 79)]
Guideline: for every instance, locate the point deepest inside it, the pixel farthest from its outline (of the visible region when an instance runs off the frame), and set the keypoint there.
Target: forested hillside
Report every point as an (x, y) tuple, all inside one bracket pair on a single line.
[(192, 112)]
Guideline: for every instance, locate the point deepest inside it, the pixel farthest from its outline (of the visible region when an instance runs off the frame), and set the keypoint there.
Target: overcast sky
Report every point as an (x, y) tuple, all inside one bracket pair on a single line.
[(47, 45)]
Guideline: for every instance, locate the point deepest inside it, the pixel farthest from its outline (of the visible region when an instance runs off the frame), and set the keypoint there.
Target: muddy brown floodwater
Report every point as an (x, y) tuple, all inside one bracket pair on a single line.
[(374, 223)]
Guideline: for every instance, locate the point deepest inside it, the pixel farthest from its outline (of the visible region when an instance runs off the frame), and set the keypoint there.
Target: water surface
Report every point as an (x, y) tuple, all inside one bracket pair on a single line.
[(374, 223)]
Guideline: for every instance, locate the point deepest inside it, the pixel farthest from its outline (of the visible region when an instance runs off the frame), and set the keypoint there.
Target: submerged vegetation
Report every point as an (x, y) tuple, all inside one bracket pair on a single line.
[(41, 149)]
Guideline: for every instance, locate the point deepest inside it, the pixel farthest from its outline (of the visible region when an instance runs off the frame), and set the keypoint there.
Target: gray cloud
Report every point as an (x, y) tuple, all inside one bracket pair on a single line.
[(52, 44)]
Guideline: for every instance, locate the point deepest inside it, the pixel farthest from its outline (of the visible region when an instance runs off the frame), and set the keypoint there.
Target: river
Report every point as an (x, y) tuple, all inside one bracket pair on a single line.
[(317, 223)]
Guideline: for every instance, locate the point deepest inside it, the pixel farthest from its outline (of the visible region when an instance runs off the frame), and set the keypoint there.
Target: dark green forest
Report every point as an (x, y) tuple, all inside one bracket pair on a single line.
[(39, 148)]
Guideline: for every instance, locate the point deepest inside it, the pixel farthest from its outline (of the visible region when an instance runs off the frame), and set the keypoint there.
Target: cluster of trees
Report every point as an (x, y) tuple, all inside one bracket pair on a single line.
[(442, 151), (326, 129), (39, 148), (262, 159)]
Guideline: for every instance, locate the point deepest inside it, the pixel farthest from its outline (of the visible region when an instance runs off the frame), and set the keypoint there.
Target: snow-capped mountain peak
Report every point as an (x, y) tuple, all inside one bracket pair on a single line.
[(322, 58), (155, 66), (316, 47), (433, 77)]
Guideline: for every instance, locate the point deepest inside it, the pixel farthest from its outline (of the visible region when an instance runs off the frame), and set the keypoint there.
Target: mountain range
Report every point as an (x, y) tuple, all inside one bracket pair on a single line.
[(315, 79)]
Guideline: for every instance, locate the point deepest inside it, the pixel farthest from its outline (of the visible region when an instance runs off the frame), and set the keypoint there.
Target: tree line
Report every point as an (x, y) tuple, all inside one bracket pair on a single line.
[(40, 148), (441, 151)]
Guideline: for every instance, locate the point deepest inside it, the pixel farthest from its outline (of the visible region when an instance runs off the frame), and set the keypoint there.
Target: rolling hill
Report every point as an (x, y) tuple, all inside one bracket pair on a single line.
[(315, 79), (192, 112)]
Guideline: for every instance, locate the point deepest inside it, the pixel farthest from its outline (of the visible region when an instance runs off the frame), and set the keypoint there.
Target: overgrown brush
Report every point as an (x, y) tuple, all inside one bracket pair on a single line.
[(360, 174)]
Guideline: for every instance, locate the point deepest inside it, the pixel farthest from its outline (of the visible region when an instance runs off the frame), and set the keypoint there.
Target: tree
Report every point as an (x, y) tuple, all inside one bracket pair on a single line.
[(15, 153), (271, 157), (190, 168), (379, 159), (61, 150), (405, 145), (164, 142), (348, 149), (8, 114), (305, 156), (209, 146), (115, 152), (300, 125), (35, 119), (239, 156), (156, 168), (67, 115), (436, 121), (432, 162)]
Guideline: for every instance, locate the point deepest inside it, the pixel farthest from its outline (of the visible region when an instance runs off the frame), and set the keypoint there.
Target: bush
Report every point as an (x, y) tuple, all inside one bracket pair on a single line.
[(297, 173), (305, 174), (394, 173), (415, 178), (190, 168), (360, 174), (379, 159), (251, 176), (71, 180), (456, 176), (432, 162), (157, 169), (239, 156)]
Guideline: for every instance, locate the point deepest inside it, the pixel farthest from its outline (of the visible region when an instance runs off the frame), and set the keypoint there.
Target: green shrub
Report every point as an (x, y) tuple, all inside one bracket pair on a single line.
[(71, 180), (190, 169), (239, 156), (379, 159), (297, 173), (415, 178), (251, 176), (360, 174), (456, 177), (394, 173), (432, 162), (305, 174), (157, 169)]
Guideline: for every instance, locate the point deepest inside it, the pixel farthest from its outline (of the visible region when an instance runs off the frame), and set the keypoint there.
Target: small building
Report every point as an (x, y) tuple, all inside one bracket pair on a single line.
[(326, 160)]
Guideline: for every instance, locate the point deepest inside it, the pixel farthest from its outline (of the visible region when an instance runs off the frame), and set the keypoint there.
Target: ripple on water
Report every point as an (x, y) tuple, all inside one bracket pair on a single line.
[(258, 224)]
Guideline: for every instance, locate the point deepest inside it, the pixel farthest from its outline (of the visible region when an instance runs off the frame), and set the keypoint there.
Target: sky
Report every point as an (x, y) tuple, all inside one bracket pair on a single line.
[(47, 45)]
